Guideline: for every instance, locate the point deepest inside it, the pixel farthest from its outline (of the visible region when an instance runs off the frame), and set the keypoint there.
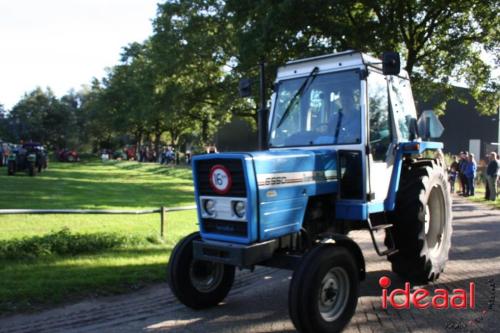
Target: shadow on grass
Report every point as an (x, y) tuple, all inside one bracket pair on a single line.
[(75, 193), (31, 285)]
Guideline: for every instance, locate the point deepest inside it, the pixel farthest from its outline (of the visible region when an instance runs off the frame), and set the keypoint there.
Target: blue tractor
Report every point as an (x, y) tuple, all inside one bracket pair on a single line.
[(343, 151)]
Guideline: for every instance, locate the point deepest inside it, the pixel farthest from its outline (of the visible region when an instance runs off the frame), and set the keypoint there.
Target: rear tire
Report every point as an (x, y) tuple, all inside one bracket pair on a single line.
[(324, 291), (422, 222), (197, 284)]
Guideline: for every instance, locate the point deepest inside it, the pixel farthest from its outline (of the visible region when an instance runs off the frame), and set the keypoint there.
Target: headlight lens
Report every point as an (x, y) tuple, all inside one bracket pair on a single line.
[(239, 208), (209, 206)]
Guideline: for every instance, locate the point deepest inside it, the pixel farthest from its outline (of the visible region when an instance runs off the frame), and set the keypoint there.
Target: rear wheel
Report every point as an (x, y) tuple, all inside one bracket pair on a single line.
[(324, 290), (422, 222), (198, 284)]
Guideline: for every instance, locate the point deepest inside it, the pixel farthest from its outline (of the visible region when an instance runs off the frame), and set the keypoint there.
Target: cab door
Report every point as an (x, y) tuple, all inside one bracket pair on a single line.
[(380, 137)]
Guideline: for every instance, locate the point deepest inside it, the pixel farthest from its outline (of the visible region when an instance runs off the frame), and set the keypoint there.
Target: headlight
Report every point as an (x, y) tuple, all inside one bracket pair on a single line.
[(209, 207), (239, 208)]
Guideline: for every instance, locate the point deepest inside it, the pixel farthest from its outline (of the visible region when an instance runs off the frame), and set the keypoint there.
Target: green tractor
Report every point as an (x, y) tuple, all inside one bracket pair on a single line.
[(31, 157)]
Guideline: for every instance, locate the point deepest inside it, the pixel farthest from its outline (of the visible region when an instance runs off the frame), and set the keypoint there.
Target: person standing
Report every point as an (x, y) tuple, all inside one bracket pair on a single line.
[(470, 174), (462, 164), (5, 153), (492, 173), (453, 172), (484, 177)]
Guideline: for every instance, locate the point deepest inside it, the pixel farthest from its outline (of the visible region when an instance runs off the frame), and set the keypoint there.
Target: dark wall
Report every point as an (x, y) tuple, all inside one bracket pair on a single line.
[(238, 135), (462, 122)]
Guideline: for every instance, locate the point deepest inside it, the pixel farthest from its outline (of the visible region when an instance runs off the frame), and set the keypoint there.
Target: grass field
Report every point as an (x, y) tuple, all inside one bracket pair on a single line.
[(479, 197), (137, 257)]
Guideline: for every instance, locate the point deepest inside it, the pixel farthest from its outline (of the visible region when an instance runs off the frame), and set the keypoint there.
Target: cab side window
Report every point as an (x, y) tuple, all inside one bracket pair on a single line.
[(380, 120), (403, 105)]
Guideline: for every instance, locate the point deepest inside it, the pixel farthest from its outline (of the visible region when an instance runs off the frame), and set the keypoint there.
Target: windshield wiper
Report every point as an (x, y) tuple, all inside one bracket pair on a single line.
[(337, 128), (297, 94)]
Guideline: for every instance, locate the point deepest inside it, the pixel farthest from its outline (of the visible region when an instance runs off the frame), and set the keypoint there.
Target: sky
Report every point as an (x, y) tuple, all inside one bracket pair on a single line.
[(63, 44)]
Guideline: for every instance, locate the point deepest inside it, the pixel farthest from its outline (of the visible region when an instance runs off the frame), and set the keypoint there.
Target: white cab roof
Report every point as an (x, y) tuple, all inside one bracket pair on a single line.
[(328, 63)]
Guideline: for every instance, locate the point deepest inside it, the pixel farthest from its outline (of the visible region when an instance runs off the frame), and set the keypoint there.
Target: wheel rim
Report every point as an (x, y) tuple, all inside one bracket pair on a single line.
[(206, 276), (435, 219), (333, 294)]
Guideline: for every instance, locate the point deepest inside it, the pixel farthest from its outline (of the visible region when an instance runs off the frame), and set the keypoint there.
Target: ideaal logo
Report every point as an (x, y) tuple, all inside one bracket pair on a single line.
[(440, 299)]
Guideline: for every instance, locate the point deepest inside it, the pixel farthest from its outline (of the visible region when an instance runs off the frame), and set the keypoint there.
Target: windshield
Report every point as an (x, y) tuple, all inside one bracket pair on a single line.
[(326, 111)]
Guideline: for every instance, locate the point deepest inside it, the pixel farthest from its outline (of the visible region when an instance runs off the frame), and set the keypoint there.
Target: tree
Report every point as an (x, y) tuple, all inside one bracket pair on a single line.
[(39, 116), (440, 40), (3, 123), (189, 52)]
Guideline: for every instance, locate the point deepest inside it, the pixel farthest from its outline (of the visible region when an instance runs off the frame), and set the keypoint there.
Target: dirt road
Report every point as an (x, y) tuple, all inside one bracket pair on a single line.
[(258, 301)]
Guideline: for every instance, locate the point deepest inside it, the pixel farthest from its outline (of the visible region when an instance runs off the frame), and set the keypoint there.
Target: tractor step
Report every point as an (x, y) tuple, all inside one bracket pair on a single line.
[(381, 227), (391, 249)]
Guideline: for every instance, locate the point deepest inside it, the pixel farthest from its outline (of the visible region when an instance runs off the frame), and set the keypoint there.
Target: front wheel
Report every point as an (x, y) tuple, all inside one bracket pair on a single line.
[(197, 284), (324, 291)]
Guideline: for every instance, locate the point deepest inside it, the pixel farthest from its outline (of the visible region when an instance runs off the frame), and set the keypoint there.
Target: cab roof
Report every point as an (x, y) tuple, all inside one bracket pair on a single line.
[(330, 62)]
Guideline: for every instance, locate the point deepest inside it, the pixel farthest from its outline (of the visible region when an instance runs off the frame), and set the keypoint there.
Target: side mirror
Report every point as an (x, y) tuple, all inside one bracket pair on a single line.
[(429, 126), (245, 87), (391, 63)]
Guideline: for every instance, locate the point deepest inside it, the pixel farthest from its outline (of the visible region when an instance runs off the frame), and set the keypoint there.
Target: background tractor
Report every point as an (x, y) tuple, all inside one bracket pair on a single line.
[(343, 151), (30, 157)]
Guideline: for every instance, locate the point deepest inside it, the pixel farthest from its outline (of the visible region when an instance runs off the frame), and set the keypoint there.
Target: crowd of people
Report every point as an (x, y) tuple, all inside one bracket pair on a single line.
[(464, 168), (167, 155)]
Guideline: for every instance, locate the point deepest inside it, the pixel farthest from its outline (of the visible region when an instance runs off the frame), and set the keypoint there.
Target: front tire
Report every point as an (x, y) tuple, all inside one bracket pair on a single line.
[(422, 222), (324, 291), (197, 284)]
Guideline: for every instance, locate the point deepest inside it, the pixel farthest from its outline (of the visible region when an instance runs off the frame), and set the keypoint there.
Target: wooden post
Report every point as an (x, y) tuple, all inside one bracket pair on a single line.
[(162, 220)]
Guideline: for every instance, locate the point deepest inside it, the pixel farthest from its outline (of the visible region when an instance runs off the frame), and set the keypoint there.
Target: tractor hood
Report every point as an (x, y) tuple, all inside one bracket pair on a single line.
[(275, 184), (296, 168), (285, 181)]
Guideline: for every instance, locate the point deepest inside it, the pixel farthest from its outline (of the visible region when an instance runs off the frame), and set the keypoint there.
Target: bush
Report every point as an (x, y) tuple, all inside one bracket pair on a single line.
[(62, 242)]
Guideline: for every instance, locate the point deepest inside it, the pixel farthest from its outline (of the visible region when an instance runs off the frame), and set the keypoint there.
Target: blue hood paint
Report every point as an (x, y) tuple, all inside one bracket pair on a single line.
[(276, 210), (282, 207), (293, 160)]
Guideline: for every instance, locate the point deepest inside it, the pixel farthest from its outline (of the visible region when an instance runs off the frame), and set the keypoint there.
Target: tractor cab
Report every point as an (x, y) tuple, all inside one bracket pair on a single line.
[(345, 103)]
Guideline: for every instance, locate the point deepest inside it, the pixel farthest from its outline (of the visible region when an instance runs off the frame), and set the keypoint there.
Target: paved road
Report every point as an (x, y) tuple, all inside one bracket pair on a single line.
[(258, 301)]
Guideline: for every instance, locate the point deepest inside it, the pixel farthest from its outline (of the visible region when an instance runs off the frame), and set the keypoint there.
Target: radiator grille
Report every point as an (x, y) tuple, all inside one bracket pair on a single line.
[(235, 167)]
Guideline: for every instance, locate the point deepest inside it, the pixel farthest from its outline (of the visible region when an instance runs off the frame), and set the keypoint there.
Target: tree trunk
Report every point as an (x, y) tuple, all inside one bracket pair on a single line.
[(204, 130), (138, 144), (157, 144)]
